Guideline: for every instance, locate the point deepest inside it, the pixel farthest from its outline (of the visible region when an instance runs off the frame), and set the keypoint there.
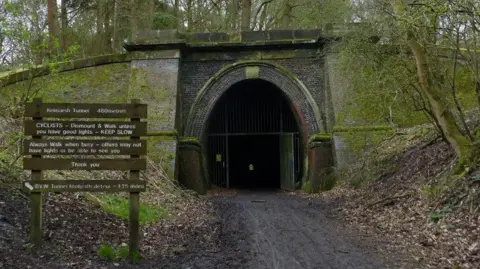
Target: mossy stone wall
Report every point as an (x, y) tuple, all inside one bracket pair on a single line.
[(154, 80), (350, 142), (153, 83), (105, 83)]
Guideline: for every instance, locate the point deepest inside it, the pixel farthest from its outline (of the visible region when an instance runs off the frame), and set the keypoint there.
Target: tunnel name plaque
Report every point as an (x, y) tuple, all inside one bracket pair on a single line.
[(49, 154), (63, 110)]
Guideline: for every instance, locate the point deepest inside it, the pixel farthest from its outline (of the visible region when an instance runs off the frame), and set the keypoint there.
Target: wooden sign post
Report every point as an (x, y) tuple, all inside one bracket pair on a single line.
[(36, 198), (134, 202), (38, 147)]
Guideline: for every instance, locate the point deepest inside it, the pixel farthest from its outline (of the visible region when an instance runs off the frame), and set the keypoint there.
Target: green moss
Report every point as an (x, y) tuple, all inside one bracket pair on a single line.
[(121, 208), (173, 133), (106, 252), (108, 83), (320, 137), (65, 66), (343, 129), (159, 151), (307, 187), (111, 253), (189, 141), (359, 138)]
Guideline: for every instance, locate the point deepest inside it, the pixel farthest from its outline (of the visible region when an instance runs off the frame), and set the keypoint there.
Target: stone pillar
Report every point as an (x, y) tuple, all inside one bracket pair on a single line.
[(343, 153), (154, 80), (321, 170), (190, 173), (339, 114)]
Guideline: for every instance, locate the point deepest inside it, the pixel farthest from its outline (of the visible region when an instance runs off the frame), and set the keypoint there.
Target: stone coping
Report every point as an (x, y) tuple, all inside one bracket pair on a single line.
[(16, 76), (354, 129), (173, 36)]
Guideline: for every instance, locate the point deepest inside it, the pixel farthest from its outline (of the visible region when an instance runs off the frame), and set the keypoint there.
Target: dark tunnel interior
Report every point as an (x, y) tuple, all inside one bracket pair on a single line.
[(254, 161), (250, 130)]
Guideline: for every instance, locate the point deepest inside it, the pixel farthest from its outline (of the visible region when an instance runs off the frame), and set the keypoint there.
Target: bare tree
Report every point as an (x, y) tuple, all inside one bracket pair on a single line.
[(246, 14)]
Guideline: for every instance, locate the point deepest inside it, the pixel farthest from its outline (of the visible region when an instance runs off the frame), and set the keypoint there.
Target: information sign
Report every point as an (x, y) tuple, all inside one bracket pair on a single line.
[(84, 185), (62, 110), (84, 147), (38, 146), (85, 128), (84, 164)]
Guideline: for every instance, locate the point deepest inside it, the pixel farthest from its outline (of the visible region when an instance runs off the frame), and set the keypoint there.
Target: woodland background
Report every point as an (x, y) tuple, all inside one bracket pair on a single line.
[(407, 62), (412, 64)]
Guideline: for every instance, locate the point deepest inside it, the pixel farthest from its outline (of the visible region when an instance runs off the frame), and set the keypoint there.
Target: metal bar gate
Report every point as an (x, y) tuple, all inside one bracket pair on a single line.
[(248, 111)]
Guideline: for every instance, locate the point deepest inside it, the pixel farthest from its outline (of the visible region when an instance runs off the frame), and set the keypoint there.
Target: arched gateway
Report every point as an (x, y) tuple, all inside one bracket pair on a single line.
[(245, 107), (299, 98), (253, 120)]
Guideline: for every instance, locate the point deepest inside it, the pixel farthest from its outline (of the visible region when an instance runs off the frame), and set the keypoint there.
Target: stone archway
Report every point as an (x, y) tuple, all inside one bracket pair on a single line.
[(301, 103)]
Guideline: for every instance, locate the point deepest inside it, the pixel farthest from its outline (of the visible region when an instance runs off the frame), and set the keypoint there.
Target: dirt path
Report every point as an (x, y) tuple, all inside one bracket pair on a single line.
[(275, 230), (251, 230)]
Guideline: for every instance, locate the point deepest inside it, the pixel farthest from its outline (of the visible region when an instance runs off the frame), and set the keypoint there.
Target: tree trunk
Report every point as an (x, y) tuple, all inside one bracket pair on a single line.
[(51, 7), (178, 19), (144, 16), (263, 18), (100, 26), (475, 61), (134, 18), (246, 14), (122, 24), (64, 23), (445, 119), (232, 15), (109, 7), (286, 15), (189, 15)]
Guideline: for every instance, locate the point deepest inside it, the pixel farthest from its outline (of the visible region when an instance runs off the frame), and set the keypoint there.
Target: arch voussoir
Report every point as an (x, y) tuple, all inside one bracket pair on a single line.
[(302, 102)]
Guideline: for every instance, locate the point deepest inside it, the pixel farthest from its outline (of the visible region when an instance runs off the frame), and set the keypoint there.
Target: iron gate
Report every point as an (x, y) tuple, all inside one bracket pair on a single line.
[(248, 111)]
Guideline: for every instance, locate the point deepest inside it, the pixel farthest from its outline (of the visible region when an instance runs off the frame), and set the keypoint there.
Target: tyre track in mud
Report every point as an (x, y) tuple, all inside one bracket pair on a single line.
[(289, 232)]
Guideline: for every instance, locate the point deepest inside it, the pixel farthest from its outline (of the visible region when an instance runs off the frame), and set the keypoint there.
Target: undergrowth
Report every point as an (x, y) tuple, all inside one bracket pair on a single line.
[(380, 161), (119, 253), (307, 187), (120, 207)]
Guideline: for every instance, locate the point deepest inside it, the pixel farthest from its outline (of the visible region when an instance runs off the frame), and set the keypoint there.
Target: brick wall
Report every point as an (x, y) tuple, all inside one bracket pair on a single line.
[(309, 70)]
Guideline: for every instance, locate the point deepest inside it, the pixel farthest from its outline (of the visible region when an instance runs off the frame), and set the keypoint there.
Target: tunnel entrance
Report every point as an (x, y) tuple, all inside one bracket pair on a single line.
[(253, 139)]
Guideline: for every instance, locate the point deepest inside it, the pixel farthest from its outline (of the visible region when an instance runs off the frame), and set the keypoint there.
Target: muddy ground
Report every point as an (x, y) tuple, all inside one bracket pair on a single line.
[(281, 230), (249, 230)]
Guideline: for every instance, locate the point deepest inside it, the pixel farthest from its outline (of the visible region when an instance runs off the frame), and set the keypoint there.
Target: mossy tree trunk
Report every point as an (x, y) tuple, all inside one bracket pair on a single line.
[(440, 111), (64, 24), (286, 15), (100, 22), (109, 10), (51, 14)]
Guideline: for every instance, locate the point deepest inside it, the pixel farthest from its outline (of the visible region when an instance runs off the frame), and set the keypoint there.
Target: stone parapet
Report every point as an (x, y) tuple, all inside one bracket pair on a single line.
[(320, 163)]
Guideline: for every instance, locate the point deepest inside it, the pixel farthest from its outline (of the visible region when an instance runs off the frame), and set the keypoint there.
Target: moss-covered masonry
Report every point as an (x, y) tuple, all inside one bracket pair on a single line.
[(350, 142), (115, 81), (154, 80), (105, 83)]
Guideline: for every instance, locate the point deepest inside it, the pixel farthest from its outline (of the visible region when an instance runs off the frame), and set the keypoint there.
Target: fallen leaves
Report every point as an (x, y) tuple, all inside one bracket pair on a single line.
[(439, 228)]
